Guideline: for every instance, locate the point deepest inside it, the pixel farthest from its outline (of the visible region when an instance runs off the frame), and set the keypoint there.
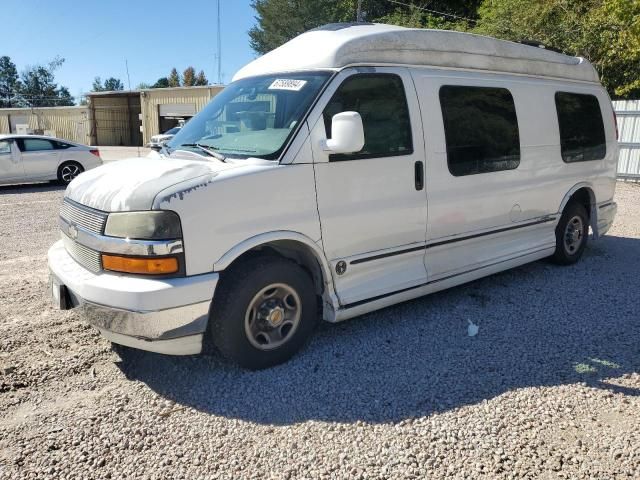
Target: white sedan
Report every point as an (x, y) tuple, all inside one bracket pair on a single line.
[(34, 158)]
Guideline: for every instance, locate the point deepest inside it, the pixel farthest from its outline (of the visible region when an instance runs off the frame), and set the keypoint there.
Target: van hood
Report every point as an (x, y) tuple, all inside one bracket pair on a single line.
[(133, 184)]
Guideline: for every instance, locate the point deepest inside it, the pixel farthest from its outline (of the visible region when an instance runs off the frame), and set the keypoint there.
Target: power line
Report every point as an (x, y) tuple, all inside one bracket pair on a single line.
[(432, 11)]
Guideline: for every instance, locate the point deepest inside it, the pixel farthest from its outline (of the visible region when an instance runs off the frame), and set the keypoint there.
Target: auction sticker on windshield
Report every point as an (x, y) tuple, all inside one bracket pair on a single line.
[(287, 84)]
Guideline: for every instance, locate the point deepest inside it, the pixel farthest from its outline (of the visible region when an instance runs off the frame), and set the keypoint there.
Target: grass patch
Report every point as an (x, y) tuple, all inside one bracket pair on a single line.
[(605, 363), (584, 368)]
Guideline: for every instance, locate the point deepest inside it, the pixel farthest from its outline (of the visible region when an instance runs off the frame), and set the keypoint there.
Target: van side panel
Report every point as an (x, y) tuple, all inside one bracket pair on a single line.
[(521, 206)]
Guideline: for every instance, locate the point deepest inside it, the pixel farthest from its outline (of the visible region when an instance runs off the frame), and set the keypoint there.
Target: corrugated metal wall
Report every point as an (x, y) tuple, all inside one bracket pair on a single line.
[(70, 123), (115, 120), (152, 99), (628, 114), (4, 123)]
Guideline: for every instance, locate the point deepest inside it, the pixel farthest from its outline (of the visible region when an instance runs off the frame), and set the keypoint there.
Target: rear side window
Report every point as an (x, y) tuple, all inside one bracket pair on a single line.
[(5, 147), (481, 129), (35, 145), (582, 135), (61, 145), (381, 102)]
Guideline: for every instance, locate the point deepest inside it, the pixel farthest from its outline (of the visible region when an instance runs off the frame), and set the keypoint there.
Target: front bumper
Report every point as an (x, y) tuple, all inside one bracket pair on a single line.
[(159, 315)]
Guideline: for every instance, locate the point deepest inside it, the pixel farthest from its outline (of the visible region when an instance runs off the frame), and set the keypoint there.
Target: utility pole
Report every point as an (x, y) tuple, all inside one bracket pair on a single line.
[(359, 14), (126, 63), (219, 54)]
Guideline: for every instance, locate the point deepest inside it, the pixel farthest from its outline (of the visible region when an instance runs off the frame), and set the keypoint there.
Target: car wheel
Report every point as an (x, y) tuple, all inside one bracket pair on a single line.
[(263, 312), (572, 233), (68, 171)]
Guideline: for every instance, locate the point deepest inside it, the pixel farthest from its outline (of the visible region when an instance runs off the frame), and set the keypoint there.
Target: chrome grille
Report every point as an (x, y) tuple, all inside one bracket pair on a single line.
[(89, 259), (83, 217)]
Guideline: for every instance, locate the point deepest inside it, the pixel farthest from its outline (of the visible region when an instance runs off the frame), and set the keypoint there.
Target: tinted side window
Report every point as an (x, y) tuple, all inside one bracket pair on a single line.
[(481, 129), (381, 102), (35, 145), (582, 135), (61, 145)]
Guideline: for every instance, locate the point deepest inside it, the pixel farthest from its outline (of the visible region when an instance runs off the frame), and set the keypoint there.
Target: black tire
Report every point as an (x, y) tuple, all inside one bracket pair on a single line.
[(568, 251), (68, 171), (238, 289)]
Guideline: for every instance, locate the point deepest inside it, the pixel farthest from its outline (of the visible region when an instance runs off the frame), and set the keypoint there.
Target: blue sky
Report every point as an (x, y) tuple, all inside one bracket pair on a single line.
[(95, 38)]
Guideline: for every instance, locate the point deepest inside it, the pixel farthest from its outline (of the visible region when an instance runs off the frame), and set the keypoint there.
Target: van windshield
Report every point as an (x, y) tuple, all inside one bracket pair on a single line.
[(253, 117)]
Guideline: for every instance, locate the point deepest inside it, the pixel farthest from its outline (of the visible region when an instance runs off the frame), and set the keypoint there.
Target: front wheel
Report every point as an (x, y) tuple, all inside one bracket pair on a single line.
[(572, 233), (263, 312), (68, 171)]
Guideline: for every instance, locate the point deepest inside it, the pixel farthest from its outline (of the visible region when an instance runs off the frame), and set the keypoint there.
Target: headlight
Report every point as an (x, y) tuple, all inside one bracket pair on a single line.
[(153, 225)]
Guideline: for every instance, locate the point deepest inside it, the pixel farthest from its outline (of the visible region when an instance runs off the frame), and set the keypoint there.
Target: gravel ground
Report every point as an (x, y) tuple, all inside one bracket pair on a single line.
[(549, 388)]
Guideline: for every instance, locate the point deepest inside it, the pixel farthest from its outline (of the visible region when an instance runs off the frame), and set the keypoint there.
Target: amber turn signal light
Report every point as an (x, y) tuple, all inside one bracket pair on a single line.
[(140, 265)]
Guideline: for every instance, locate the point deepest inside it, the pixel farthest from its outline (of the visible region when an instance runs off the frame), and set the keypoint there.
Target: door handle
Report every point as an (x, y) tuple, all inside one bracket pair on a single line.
[(418, 169)]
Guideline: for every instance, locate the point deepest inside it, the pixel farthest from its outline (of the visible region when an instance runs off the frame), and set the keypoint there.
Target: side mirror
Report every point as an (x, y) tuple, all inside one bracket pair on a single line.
[(347, 133)]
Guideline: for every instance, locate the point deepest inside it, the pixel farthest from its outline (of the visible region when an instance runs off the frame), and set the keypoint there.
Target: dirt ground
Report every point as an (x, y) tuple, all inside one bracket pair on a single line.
[(550, 387)]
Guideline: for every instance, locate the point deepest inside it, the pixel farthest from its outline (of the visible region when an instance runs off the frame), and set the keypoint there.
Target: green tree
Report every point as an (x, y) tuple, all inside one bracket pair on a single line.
[(38, 87), (64, 97), (201, 79), (281, 20), (189, 77), (9, 83), (162, 82), (111, 84), (174, 78), (143, 86), (606, 32), (97, 85), (278, 21), (616, 26)]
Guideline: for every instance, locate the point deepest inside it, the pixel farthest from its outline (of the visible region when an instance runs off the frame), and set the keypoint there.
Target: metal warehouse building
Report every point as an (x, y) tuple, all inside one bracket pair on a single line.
[(71, 123), (131, 118), (628, 113), (122, 118)]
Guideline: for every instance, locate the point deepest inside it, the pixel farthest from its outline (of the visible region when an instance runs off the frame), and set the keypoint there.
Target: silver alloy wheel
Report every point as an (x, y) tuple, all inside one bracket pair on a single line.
[(273, 316), (69, 172), (573, 235)]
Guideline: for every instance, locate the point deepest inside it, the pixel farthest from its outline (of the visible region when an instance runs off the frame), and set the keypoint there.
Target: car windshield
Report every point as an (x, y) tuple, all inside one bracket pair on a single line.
[(252, 117), (173, 131)]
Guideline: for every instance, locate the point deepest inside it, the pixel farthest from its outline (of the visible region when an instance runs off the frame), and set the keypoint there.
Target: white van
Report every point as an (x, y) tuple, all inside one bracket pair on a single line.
[(354, 167)]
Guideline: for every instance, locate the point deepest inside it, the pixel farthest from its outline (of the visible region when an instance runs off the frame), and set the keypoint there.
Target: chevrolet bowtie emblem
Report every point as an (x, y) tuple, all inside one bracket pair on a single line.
[(73, 232)]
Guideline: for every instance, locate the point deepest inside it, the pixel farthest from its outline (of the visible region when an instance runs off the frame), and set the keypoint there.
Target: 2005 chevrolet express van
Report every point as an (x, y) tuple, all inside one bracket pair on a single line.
[(354, 167)]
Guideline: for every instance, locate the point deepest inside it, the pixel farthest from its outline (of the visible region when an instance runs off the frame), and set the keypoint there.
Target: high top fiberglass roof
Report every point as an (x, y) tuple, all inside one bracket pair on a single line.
[(337, 45)]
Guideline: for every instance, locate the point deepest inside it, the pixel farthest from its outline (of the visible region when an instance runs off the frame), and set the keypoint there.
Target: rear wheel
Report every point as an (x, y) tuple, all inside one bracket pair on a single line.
[(68, 171), (263, 312), (572, 233)]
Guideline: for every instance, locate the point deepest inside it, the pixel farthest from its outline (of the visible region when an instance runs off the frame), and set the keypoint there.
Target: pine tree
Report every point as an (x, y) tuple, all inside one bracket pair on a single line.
[(200, 79), (189, 77), (9, 83), (174, 78)]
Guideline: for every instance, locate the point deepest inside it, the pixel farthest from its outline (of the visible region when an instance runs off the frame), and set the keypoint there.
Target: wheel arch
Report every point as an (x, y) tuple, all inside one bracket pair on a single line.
[(584, 194), (64, 161), (293, 246)]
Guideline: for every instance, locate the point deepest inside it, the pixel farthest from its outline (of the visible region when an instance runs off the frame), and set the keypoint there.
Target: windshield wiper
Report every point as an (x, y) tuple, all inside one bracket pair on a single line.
[(206, 149)]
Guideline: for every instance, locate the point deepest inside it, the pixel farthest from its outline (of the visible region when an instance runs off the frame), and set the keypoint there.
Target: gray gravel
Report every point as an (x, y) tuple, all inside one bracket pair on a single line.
[(549, 388)]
